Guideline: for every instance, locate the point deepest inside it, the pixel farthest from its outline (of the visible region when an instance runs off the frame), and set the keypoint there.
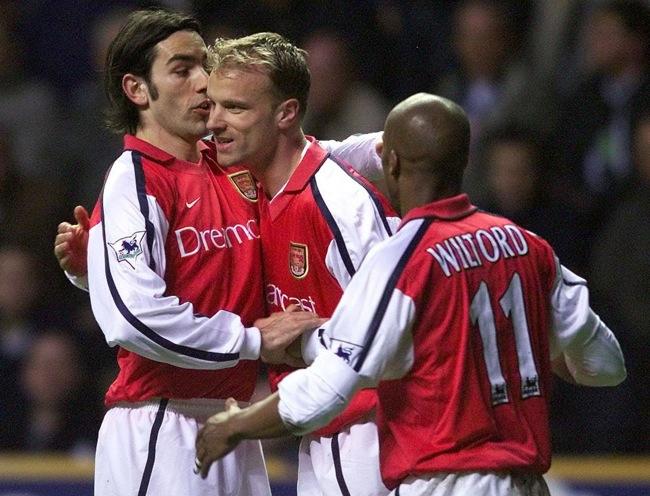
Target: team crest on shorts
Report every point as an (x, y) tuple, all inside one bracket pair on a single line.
[(298, 260), (245, 184), (129, 248)]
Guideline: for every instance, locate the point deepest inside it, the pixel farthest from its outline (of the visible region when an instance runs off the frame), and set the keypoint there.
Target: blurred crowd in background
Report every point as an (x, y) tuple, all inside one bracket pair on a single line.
[(558, 95)]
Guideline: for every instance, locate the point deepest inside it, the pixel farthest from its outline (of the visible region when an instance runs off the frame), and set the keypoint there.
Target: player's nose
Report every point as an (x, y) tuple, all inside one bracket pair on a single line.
[(215, 120)]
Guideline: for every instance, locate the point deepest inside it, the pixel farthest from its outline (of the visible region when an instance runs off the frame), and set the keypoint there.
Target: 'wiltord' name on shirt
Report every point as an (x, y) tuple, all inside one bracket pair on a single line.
[(465, 251)]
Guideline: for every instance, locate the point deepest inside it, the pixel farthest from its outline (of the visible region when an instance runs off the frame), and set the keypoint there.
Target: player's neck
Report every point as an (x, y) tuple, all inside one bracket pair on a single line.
[(182, 148), (285, 160), (420, 190)]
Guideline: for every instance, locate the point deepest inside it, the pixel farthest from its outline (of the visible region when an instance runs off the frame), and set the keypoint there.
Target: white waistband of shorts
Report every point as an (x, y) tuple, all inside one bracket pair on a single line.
[(193, 407)]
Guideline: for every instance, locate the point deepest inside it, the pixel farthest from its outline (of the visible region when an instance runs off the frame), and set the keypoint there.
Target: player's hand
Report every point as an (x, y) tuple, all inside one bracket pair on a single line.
[(280, 330), (214, 440), (294, 350), (71, 243)]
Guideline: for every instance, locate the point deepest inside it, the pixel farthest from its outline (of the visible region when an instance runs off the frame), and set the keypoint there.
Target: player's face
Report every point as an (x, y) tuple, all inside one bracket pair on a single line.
[(244, 116), (178, 102)]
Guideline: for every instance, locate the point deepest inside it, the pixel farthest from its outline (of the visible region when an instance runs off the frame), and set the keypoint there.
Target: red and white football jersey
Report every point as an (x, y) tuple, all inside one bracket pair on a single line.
[(315, 234), (174, 275), (458, 315)]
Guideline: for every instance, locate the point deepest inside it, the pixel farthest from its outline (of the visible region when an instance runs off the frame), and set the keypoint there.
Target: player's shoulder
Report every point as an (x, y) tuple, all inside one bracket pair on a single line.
[(400, 246), (132, 162), (131, 172), (535, 244), (339, 183)]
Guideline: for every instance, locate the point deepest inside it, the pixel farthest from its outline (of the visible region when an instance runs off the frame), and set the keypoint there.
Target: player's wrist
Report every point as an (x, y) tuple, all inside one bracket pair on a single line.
[(235, 427)]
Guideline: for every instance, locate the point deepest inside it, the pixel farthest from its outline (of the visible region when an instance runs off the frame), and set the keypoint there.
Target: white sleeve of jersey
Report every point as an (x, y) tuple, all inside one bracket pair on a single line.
[(126, 266), (591, 351), (360, 152), (356, 219), (368, 339), (358, 225)]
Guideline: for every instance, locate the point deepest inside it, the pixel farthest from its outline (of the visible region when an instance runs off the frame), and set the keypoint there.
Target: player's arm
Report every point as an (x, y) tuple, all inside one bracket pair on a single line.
[(369, 328), (224, 431), (126, 268), (581, 343), (361, 347), (360, 150), (359, 218)]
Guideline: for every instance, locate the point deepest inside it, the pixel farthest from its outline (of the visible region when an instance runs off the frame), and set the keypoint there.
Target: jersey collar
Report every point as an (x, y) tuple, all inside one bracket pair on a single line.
[(156, 154), (452, 208), (310, 163)]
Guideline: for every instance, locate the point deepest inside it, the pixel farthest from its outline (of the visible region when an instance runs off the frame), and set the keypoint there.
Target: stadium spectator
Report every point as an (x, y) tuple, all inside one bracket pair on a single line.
[(26, 203), (492, 82), (83, 144), (339, 103), (620, 271), (20, 297), (595, 131), (520, 171), (56, 410), (28, 108)]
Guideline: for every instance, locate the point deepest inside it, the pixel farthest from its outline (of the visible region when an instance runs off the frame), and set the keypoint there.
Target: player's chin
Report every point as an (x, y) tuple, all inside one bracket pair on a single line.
[(229, 160)]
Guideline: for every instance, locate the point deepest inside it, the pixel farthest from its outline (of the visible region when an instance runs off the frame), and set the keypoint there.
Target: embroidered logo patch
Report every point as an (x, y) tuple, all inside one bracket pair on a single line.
[(298, 260), (129, 248), (192, 203), (245, 184), (349, 352)]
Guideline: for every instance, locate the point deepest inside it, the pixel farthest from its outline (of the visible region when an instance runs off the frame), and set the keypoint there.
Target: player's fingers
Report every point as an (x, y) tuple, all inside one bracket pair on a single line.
[(64, 263), (82, 218), (64, 227), (232, 405), (62, 237), (206, 462), (294, 307), (308, 321), (61, 251)]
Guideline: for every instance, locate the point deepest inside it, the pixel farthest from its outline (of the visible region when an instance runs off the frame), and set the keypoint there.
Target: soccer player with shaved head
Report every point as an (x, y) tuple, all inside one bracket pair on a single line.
[(459, 320)]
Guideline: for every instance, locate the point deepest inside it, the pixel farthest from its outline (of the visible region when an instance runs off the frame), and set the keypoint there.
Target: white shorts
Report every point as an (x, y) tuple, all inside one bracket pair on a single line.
[(345, 464), (148, 449), (475, 483)]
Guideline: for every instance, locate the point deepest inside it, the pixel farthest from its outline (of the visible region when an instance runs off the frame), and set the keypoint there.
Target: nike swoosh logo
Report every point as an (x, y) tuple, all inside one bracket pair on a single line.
[(192, 203)]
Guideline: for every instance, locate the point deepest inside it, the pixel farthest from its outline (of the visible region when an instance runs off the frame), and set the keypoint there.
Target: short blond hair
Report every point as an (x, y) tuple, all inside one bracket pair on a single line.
[(285, 63)]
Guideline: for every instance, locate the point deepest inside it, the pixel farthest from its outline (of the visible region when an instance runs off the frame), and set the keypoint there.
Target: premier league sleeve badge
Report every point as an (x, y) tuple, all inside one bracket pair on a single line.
[(129, 248)]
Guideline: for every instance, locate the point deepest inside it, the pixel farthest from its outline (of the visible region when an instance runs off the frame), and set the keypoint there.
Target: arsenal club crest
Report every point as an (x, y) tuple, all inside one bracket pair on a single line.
[(298, 260), (245, 184)]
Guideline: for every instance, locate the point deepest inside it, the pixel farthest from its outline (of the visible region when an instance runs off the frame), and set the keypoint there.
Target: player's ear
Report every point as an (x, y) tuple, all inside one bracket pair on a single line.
[(135, 89), (288, 113), (394, 166), (379, 146)]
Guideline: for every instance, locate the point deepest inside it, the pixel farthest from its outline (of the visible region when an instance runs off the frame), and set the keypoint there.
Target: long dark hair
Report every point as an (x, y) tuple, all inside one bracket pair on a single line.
[(133, 52)]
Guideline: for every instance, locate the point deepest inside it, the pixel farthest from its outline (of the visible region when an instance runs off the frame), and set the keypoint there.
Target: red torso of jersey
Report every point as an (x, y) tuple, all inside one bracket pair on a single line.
[(298, 231), (212, 252), (477, 395)]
